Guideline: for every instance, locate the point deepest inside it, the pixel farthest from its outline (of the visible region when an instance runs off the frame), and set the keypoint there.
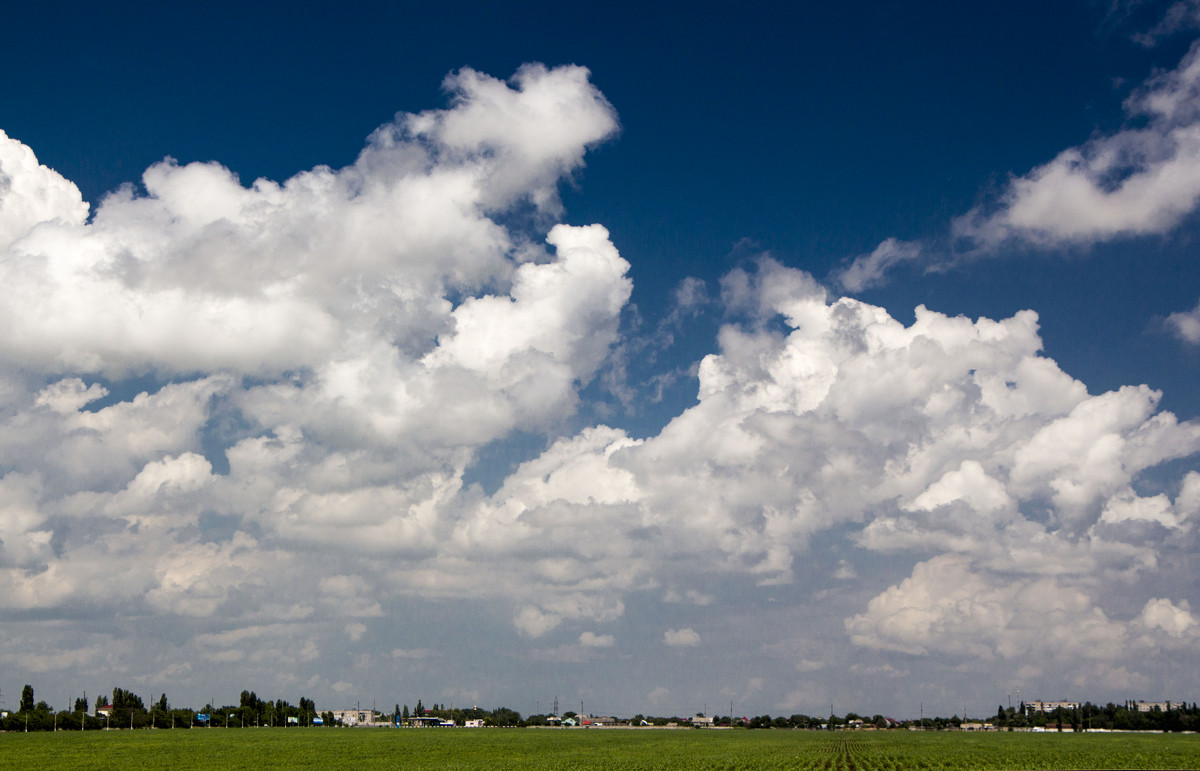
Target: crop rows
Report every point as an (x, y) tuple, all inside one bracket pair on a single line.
[(594, 749)]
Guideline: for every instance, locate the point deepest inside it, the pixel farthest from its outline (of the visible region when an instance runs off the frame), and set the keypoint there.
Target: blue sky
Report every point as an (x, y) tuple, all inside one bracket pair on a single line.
[(707, 453)]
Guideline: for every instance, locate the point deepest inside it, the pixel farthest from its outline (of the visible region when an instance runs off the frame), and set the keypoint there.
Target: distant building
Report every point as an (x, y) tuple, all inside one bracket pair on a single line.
[(360, 718), (1150, 706), (1033, 707), (430, 722), (978, 727), (351, 717)]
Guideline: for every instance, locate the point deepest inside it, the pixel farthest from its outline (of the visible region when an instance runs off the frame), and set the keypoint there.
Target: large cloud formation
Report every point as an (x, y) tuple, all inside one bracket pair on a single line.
[(330, 354)]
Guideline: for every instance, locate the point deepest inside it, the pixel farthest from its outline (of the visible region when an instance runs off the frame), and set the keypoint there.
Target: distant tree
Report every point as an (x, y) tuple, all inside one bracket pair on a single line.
[(420, 711), (504, 716), (308, 708), (123, 699), (26, 699), (162, 705), (404, 713), (81, 705)]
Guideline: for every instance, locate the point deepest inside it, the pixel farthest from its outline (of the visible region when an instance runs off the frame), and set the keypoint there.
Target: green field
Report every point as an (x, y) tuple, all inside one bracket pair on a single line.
[(358, 749)]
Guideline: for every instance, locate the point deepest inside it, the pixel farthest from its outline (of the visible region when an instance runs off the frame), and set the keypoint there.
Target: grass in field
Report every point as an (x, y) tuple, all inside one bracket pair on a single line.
[(362, 749)]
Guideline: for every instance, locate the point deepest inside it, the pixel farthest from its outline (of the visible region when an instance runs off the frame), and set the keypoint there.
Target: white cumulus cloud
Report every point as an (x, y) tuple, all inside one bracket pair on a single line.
[(1140, 180), (681, 638), (593, 640)]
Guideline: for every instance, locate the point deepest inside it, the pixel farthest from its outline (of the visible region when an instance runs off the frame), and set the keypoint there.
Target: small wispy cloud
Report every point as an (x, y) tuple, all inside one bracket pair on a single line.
[(681, 638), (1186, 325), (1180, 16), (593, 640), (869, 270)]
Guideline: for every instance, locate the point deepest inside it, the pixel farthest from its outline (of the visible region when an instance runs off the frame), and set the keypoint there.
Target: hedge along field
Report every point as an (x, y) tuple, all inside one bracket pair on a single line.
[(592, 749)]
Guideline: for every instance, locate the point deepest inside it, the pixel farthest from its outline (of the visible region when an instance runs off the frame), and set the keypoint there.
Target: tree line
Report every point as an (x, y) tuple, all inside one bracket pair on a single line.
[(1110, 717), (126, 710)]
